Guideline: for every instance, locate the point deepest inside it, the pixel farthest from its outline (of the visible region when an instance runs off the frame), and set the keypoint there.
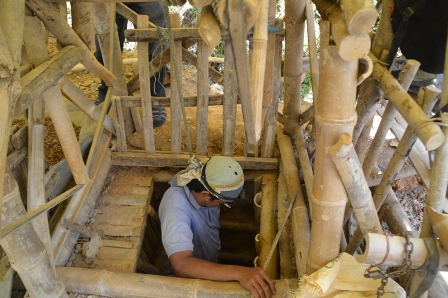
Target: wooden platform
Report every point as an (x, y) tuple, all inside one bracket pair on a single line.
[(120, 219)]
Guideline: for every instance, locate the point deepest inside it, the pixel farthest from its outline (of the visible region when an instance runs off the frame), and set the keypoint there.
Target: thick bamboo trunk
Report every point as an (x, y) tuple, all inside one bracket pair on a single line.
[(292, 72), (406, 76), (120, 285), (359, 15), (82, 23), (376, 246), (268, 228), (349, 169), (335, 114), (299, 217), (30, 261), (50, 16)]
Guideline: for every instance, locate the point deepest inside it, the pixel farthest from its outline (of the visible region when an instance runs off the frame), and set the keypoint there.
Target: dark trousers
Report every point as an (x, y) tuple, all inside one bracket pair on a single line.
[(154, 11)]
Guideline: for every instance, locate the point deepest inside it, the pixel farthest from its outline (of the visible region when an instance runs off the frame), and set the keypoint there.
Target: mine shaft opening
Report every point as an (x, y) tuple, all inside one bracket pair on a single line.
[(237, 232)]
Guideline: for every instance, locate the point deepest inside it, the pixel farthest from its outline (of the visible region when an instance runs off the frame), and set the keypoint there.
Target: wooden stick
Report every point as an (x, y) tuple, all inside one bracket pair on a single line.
[(229, 101), (203, 93), (430, 134), (314, 63), (66, 134), (349, 169), (119, 124), (145, 88), (259, 45), (307, 169), (393, 214)]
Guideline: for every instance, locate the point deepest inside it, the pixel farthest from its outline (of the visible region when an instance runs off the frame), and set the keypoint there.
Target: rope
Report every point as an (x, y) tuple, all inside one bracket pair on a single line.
[(282, 227), (177, 72), (387, 234)]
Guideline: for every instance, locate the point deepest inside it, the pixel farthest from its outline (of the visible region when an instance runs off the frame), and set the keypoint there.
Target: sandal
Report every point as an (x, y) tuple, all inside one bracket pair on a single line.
[(158, 116)]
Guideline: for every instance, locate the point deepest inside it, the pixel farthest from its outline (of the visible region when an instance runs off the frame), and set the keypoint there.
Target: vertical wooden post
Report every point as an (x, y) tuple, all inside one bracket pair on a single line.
[(292, 72), (203, 92), (229, 101), (175, 107), (145, 88), (314, 63), (335, 114), (258, 68)]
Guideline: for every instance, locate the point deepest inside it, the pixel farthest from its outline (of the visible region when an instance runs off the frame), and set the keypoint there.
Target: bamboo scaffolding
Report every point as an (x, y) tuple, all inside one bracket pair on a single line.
[(314, 63), (307, 169), (359, 15), (229, 101), (11, 36), (376, 246), (397, 161), (406, 76), (203, 92), (335, 114), (299, 217), (268, 228), (272, 89), (112, 284), (145, 88), (439, 225), (285, 253), (82, 23), (66, 134), (31, 261), (176, 74), (260, 42), (292, 71), (349, 169), (50, 16), (430, 134)]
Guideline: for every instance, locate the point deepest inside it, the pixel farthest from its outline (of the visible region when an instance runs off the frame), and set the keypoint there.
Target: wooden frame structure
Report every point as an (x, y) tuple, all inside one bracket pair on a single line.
[(317, 220)]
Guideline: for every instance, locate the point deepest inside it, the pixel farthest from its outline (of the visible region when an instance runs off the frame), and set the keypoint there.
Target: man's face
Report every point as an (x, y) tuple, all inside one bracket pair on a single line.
[(211, 201)]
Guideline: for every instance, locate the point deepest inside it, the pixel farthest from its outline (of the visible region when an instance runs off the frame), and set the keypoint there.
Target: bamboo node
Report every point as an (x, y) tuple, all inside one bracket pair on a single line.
[(328, 204), (328, 121)]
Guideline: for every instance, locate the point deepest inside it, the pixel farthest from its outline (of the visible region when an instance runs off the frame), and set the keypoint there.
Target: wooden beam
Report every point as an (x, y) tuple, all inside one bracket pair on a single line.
[(159, 160), (152, 34)]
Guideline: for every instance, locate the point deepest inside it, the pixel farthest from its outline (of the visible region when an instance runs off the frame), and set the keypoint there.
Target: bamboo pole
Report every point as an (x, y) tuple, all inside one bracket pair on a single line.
[(82, 23), (271, 95), (284, 247), (406, 76), (268, 228), (66, 134), (349, 169), (77, 97), (257, 211), (397, 161), (299, 218), (260, 42), (430, 134), (307, 169), (203, 93), (229, 101), (439, 224), (237, 30), (120, 285), (376, 246), (314, 63), (30, 261), (359, 15), (175, 107), (50, 16), (11, 37), (335, 114), (292, 71), (145, 88)]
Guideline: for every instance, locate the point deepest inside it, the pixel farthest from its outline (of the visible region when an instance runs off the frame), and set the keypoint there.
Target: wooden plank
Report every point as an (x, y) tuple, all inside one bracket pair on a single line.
[(190, 101), (113, 253), (203, 92), (116, 243), (113, 230), (145, 88), (128, 200), (230, 101), (118, 219), (152, 34), (119, 125), (159, 160), (115, 266), (112, 210)]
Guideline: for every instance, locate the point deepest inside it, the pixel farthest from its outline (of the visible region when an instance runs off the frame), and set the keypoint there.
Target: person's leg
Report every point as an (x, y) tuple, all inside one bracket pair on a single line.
[(154, 11)]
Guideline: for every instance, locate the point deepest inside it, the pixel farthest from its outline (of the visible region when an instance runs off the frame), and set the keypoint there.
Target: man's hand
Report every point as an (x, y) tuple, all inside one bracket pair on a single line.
[(257, 281)]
